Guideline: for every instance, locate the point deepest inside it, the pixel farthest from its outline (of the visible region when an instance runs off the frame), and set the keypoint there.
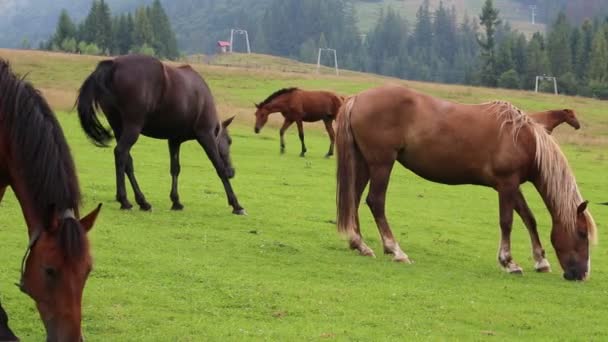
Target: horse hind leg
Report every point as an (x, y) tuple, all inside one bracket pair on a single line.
[(139, 196), (332, 137), (361, 180), (175, 170), (126, 139), (507, 199), (538, 253), (379, 176)]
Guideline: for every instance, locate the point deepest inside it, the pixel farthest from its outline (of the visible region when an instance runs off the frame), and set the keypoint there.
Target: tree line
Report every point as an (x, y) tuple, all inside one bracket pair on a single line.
[(481, 50), (147, 30)]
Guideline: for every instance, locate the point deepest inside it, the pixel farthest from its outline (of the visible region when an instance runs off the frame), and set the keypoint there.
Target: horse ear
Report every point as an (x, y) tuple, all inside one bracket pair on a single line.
[(256, 105), (226, 123), (582, 207), (88, 221)]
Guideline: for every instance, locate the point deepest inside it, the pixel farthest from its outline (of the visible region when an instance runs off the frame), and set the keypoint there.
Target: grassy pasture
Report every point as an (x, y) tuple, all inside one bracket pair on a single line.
[(282, 273)]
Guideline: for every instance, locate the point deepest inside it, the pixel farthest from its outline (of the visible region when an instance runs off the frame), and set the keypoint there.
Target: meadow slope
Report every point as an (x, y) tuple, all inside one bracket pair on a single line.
[(283, 273)]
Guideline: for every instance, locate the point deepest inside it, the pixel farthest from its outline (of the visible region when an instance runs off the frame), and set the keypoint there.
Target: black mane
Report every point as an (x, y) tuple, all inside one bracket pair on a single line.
[(275, 95), (41, 154)]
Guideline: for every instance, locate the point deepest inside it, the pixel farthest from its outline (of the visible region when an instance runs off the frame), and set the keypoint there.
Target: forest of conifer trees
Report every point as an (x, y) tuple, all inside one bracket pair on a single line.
[(147, 30), (440, 45)]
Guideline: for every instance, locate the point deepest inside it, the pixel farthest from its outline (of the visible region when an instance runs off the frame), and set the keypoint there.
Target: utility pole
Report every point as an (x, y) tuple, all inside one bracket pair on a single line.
[(533, 9)]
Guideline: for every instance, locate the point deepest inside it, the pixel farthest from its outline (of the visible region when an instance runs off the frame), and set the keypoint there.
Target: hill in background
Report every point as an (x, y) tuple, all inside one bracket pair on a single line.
[(199, 23)]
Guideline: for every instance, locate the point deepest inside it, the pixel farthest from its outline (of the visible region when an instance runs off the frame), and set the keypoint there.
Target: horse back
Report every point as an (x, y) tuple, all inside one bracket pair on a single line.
[(439, 140), (318, 104)]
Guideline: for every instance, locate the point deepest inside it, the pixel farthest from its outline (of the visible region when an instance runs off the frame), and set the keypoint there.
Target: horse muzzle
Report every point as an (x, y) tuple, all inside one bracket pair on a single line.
[(574, 275), (256, 130)]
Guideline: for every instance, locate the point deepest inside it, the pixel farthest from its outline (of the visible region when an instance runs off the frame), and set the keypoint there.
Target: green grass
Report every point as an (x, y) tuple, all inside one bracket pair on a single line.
[(283, 273)]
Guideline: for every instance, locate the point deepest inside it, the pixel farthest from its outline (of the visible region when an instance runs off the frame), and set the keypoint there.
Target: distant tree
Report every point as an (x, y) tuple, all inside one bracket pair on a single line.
[(509, 79), (489, 20), (598, 68), (163, 40), (69, 45), (558, 46), (25, 44), (538, 62), (65, 28), (142, 32), (582, 60)]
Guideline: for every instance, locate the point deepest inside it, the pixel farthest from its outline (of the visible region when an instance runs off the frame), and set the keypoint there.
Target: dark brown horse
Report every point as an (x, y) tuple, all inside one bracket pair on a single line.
[(492, 144), (553, 118), (35, 161), (141, 95), (300, 106)]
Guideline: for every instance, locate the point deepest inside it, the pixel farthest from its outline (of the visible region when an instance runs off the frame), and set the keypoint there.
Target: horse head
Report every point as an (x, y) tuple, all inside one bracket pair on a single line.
[(572, 247), (261, 117), (54, 272)]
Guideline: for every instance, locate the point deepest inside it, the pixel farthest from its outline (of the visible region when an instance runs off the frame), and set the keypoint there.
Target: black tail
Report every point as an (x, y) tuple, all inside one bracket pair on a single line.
[(92, 90)]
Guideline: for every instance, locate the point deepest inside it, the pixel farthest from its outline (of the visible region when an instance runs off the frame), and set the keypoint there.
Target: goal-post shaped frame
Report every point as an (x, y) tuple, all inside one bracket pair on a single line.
[(242, 33), (321, 50), (546, 78)]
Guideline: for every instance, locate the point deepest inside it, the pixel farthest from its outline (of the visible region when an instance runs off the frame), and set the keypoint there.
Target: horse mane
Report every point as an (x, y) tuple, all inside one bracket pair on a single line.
[(276, 94), (555, 173), (42, 155)]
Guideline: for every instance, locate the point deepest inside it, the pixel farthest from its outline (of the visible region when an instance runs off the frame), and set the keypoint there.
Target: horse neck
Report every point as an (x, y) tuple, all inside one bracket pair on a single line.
[(278, 105), (33, 218), (555, 182)]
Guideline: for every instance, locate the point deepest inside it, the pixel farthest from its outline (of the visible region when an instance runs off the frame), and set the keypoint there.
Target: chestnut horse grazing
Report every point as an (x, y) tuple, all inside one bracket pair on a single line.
[(492, 144), (141, 95), (299, 106), (35, 162), (553, 118)]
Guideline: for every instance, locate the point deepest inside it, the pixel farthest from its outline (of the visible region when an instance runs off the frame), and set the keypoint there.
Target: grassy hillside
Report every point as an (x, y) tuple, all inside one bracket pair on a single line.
[(518, 15), (282, 273)]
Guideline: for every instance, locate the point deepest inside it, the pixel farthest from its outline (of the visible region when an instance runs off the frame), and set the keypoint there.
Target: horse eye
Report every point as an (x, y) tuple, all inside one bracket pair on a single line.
[(582, 235), (50, 272)]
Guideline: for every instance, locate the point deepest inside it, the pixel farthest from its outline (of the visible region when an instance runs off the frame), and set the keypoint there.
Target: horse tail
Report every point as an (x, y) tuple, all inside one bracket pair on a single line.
[(347, 159), (94, 88)]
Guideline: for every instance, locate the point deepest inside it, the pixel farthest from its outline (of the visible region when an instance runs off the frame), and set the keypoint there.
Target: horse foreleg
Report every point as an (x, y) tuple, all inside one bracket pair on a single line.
[(379, 175), (332, 136), (538, 253), (207, 141), (139, 196), (6, 334), (175, 169), (506, 200), (284, 128), (121, 158), (301, 135)]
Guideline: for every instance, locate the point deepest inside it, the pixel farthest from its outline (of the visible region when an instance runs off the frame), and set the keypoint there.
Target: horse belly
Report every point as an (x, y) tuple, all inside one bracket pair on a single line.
[(169, 128), (444, 167)]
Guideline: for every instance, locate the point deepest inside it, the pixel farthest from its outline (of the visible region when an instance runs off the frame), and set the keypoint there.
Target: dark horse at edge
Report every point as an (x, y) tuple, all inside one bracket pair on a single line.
[(35, 161), (141, 95)]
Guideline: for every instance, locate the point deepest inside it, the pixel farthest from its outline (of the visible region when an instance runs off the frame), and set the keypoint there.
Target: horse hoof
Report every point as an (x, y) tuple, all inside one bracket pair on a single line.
[(542, 266), (177, 206), (126, 206), (328, 155), (302, 155), (145, 207), (240, 212), (403, 260)]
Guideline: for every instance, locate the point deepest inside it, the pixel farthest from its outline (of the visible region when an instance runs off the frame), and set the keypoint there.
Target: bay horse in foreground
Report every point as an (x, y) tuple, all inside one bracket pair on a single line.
[(35, 161), (141, 95), (300, 106), (492, 144)]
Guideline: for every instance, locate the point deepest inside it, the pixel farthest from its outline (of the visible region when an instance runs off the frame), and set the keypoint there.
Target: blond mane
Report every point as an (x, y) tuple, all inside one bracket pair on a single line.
[(555, 173)]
